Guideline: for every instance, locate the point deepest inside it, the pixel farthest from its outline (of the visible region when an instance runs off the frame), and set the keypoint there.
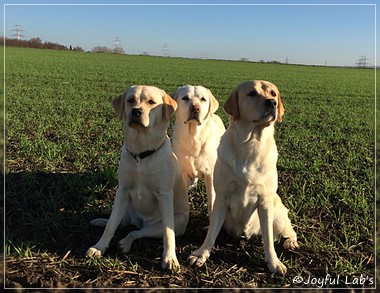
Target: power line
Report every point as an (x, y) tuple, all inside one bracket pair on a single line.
[(18, 33), (165, 49), (117, 46), (362, 62), (117, 43)]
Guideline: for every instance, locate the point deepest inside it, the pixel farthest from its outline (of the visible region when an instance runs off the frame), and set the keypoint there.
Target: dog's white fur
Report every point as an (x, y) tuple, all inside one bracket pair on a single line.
[(196, 135), (245, 175), (151, 193)]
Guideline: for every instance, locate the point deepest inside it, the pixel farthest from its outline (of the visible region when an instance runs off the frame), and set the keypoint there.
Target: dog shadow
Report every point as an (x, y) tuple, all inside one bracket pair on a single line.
[(51, 211)]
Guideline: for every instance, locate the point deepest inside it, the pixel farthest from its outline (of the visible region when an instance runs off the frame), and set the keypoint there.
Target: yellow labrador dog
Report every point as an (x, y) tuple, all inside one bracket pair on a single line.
[(246, 174), (151, 194), (196, 135)]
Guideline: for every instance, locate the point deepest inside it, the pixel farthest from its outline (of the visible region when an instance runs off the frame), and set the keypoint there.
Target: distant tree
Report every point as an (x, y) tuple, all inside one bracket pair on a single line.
[(54, 46), (79, 49), (118, 50), (243, 59), (35, 43), (101, 49), (16, 43)]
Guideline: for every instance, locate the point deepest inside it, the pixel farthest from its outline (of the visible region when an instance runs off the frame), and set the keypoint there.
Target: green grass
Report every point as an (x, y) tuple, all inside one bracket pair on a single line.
[(63, 145)]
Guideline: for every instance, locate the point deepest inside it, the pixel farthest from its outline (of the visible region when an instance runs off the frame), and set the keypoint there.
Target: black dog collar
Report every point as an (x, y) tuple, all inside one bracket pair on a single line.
[(145, 154), (142, 155)]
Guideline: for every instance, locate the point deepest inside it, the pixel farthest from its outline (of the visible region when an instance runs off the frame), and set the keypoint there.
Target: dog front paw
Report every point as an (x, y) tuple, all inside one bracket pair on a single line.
[(94, 252), (99, 222), (170, 263), (198, 258), (277, 267), (126, 243), (291, 243)]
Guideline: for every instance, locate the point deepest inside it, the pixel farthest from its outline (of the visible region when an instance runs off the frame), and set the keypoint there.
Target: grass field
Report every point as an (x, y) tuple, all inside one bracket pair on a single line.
[(63, 146)]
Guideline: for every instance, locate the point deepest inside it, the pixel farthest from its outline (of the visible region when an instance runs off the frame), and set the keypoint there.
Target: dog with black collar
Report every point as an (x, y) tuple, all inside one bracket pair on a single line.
[(151, 194)]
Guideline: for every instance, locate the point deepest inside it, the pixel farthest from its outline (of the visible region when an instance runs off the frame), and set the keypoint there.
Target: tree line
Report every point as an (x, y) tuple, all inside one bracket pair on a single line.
[(39, 44)]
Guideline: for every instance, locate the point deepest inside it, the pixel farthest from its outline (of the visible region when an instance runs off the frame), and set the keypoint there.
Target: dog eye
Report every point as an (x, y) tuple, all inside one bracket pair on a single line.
[(151, 102), (273, 93), (185, 98), (252, 93), (203, 99), (131, 100)]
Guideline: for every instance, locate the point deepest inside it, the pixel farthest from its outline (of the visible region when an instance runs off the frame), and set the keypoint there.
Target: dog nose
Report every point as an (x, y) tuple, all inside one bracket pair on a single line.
[(137, 112), (195, 108), (271, 103)]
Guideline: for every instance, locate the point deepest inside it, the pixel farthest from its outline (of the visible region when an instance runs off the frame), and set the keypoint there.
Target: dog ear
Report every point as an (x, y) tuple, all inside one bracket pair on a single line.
[(214, 104), (118, 105), (169, 106), (280, 109), (175, 94), (231, 106)]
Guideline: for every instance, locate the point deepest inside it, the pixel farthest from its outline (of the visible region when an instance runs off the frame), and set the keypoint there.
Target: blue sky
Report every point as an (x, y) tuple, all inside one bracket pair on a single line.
[(307, 34)]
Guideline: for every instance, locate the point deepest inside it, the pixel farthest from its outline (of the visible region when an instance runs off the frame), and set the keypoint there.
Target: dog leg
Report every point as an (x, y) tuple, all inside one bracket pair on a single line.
[(153, 231), (100, 222), (265, 211), (116, 217), (289, 233), (282, 225), (169, 259), (218, 217), (188, 181), (210, 193)]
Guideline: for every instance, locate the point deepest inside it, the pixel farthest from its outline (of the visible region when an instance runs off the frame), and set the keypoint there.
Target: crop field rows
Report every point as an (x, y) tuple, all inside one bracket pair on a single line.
[(63, 144)]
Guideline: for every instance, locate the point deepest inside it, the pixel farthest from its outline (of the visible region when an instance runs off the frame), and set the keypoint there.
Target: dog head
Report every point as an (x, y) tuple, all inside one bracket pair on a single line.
[(144, 106), (255, 101), (195, 104)]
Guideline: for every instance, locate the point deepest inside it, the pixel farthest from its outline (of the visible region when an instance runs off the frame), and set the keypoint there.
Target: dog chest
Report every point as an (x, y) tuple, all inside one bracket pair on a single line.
[(243, 201), (141, 196), (197, 167), (243, 184), (143, 188)]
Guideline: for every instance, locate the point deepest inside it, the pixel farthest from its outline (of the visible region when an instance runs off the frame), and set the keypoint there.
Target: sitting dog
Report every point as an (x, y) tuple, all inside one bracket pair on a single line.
[(151, 194), (245, 175), (196, 135)]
